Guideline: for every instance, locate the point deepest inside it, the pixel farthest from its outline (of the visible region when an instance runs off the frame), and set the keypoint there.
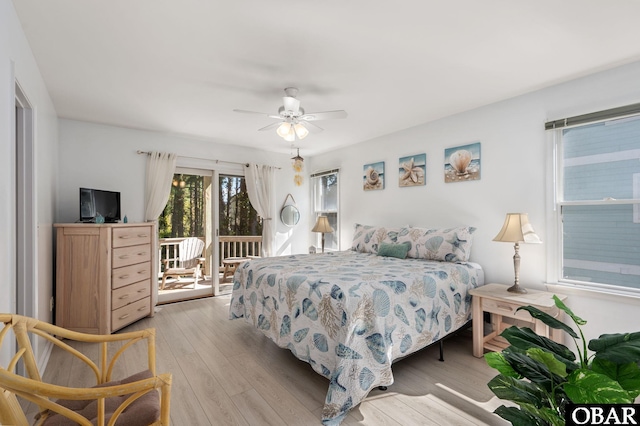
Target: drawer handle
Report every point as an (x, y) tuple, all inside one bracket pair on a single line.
[(142, 271), (122, 277), (124, 256), (505, 307), (144, 308), (124, 237), (143, 235), (124, 316), (142, 253), (124, 296), (142, 290)]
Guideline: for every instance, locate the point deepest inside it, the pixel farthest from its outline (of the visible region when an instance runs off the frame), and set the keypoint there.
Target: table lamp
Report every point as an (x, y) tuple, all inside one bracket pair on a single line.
[(322, 225), (517, 229)]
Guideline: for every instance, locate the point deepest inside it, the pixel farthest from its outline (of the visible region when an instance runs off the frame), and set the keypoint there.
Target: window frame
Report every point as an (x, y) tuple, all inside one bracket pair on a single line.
[(316, 200), (555, 257)]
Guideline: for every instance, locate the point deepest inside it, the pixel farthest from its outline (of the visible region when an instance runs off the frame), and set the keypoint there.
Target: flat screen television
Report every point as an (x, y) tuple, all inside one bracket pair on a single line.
[(94, 202)]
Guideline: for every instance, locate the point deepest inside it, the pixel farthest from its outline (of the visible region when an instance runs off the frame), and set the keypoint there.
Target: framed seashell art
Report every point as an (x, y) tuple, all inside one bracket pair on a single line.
[(373, 176), (412, 170), (462, 163)]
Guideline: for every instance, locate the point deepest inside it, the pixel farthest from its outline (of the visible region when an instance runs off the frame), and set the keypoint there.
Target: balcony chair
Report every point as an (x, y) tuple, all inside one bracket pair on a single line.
[(189, 260), (141, 399)]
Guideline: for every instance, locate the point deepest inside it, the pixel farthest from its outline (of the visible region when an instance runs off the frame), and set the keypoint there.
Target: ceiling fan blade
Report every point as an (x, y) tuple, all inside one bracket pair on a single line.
[(313, 128), (258, 113), (324, 115), (270, 126)]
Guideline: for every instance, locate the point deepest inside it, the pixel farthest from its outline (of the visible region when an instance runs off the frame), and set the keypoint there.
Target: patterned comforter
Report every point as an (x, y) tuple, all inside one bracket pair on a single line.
[(351, 314)]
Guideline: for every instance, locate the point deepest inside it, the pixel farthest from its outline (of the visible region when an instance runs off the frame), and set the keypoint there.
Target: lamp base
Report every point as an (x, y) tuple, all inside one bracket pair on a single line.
[(517, 289)]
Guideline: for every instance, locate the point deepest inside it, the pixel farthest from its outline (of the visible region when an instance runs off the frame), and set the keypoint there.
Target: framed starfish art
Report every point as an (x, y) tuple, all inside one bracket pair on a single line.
[(412, 170)]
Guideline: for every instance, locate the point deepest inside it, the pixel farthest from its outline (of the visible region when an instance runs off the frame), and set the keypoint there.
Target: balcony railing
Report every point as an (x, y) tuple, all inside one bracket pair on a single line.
[(229, 246)]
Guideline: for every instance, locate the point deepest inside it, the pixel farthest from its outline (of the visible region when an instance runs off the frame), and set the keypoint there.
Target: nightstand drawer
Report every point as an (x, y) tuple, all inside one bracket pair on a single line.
[(505, 308)]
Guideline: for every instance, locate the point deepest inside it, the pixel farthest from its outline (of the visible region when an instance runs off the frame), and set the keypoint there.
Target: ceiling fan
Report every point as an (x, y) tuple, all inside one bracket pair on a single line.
[(293, 120)]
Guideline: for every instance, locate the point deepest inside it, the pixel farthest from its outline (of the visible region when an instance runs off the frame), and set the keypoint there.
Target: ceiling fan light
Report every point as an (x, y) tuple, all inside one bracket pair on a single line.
[(291, 135), (283, 129), (301, 130)]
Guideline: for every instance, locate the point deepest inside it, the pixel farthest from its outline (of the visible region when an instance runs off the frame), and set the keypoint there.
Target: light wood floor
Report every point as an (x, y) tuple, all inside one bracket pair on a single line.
[(227, 373)]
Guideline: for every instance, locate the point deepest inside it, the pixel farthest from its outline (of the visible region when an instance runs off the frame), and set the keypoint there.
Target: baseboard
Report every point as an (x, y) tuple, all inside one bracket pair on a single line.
[(43, 360)]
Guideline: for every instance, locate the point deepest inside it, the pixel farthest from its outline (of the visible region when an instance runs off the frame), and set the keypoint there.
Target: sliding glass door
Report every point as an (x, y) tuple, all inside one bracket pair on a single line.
[(214, 208), (188, 214)]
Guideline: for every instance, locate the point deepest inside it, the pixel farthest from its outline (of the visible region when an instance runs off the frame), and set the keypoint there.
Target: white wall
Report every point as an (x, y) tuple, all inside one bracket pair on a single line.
[(18, 64), (104, 157), (514, 178)]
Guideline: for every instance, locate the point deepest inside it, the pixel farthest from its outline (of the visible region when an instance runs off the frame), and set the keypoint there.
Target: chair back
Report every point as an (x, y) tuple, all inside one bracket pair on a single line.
[(189, 250), (46, 396), (11, 412)]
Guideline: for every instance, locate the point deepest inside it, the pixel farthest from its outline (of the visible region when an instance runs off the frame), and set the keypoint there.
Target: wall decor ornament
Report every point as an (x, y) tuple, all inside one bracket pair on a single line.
[(373, 178), (298, 165), (462, 163), (412, 170)]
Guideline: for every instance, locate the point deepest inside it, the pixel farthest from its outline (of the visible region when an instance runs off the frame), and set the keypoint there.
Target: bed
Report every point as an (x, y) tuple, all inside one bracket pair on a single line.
[(350, 314)]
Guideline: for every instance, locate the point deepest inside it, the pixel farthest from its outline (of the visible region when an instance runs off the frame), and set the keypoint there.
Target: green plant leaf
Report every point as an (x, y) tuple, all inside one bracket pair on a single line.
[(549, 415), (533, 370), (518, 417), (525, 338), (627, 375), (588, 387), (548, 320), (620, 348), (548, 359), (565, 308), (518, 391), (497, 361)]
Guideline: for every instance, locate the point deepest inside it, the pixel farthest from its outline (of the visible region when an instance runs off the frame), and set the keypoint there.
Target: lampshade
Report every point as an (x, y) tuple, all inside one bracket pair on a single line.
[(301, 130), (322, 225), (283, 129), (517, 229)]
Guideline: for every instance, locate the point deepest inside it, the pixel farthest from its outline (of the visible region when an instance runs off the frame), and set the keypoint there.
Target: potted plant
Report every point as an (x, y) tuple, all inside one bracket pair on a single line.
[(542, 376)]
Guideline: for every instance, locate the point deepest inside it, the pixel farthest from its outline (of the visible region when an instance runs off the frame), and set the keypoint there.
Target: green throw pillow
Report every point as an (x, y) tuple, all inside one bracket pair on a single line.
[(393, 250)]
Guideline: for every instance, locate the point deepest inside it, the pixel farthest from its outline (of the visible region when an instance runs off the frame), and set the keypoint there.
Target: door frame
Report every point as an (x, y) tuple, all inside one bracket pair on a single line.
[(26, 260)]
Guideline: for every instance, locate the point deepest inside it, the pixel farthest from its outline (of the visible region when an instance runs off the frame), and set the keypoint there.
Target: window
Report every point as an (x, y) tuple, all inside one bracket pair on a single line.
[(597, 203), (326, 203)]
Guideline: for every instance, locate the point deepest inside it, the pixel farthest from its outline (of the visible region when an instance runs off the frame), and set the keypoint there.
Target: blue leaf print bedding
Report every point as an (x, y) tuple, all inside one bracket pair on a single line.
[(350, 315)]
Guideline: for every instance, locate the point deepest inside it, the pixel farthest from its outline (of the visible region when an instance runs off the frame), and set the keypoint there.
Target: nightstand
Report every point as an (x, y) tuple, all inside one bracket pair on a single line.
[(496, 300)]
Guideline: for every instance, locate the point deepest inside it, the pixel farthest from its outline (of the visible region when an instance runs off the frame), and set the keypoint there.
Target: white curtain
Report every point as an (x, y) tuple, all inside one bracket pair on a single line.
[(261, 190), (160, 169)]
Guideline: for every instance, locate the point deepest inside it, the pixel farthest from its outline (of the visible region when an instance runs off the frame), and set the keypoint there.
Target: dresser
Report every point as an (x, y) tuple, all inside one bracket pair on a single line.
[(103, 275)]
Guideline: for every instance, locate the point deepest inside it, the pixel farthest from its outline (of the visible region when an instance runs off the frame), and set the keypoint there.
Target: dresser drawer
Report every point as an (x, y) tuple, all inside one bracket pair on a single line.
[(129, 294), (129, 313), (125, 256), (131, 236), (130, 274)]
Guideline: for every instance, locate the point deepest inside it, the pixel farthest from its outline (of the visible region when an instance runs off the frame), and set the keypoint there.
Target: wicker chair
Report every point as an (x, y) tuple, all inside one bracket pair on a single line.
[(142, 399)]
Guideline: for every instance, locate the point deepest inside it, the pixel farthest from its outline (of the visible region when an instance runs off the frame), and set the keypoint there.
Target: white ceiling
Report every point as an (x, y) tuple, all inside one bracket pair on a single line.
[(182, 66)]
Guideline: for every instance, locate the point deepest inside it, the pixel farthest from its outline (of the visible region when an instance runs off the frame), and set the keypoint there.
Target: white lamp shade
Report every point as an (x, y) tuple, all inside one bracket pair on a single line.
[(322, 225), (301, 130), (517, 229), (291, 135), (283, 129)]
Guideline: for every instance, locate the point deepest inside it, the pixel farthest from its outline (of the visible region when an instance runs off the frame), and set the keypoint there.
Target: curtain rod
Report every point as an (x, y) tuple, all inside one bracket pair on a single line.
[(608, 114), (205, 159)]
